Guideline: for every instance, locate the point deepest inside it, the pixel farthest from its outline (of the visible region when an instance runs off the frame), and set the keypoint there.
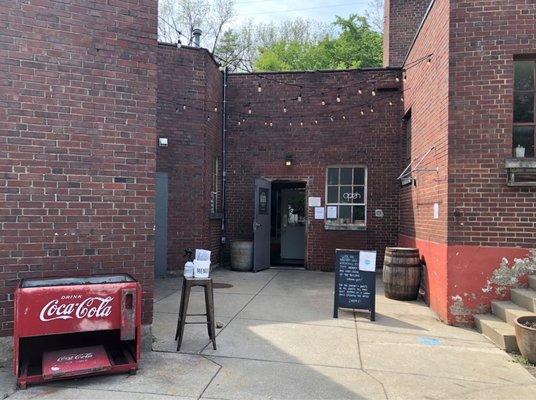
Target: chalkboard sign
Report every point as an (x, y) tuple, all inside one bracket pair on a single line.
[(354, 287)]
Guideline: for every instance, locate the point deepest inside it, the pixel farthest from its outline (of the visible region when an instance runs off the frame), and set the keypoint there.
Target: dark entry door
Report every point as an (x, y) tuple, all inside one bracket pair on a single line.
[(261, 225), (161, 215)]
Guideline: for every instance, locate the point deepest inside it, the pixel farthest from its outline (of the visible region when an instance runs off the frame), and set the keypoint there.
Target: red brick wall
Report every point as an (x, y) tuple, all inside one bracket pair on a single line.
[(484, 210), (77, 139), (485, 215), (256, 150), (426, 95), (401, 20), (189, 76)]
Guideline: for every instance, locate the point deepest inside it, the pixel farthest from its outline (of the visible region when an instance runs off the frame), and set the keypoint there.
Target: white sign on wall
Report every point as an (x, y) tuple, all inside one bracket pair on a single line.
[(315, 201), (319, 212)]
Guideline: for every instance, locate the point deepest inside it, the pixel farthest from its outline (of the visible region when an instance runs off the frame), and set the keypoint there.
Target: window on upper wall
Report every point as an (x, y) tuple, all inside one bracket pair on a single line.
[(346, 196), (524, 128), (215, 194)]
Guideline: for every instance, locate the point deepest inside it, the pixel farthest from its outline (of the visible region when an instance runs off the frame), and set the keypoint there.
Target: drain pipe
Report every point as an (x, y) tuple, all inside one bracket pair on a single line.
[(224, 161)]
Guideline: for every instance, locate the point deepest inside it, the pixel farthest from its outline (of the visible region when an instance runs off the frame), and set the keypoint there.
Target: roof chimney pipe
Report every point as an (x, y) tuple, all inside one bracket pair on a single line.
[(196, 33)]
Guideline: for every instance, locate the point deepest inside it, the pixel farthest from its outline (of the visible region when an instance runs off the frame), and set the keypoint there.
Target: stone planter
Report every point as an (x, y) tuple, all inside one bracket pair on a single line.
[(526, 338), (242, 255)]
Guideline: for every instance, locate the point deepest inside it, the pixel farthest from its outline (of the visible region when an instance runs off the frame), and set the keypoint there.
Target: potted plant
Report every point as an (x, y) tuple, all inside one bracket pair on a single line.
[(526, 337)]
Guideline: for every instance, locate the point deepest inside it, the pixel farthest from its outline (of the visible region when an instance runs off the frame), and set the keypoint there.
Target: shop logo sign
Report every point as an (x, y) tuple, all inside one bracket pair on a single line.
[(91, 307), (351, 196)]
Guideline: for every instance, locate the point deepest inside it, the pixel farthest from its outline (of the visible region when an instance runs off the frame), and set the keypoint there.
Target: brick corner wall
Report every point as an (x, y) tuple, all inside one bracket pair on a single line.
[(77, 142)]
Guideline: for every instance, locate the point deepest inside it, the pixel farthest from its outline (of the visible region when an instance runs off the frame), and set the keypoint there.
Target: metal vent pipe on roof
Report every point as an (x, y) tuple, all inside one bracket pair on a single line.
[(196, 33)]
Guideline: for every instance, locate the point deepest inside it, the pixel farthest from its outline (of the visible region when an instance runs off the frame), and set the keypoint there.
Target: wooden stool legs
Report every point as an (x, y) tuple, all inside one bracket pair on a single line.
[(187, 285)]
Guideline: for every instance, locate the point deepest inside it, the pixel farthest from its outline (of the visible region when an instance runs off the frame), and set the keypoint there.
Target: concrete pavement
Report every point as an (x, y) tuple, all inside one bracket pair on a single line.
[(279, 341)]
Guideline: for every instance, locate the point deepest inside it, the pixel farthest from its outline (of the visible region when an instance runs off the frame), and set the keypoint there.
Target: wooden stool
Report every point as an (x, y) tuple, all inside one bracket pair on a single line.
[(187, 285)]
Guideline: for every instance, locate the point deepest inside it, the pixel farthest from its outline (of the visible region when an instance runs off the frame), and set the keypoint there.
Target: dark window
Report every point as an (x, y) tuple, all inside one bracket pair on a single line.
[(346, 195), (524, 105)]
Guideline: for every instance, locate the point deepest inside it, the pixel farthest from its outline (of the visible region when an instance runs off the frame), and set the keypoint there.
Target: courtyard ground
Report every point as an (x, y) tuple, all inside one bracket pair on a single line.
[(279, 341)]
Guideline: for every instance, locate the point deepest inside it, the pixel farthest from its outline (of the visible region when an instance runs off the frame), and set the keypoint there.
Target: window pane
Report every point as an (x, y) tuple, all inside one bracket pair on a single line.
[(346, 176), (524, 75), (345, 194), (358, 214), (524, 107), (333, 194), (345, 214), (359, 176), (333, 176), (359, 194), (524, 136)]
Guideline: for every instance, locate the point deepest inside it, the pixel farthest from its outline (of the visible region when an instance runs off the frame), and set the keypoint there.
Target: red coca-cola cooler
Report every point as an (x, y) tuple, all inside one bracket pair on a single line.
[(69, 327)]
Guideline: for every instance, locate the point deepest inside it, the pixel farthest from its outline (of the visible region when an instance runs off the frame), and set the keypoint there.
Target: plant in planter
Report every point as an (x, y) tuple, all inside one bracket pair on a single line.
[(526, 337)]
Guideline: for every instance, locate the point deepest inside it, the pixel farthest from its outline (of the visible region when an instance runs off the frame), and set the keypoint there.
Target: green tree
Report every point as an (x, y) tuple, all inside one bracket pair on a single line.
[(357, 46)]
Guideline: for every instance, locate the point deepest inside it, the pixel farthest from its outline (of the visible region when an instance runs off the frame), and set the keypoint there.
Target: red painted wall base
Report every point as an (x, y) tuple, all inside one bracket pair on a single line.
[(457, 277)]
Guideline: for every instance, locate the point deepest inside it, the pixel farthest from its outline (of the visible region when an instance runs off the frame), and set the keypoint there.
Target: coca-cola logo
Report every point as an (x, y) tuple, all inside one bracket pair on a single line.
[(73, 357), (91, 307)]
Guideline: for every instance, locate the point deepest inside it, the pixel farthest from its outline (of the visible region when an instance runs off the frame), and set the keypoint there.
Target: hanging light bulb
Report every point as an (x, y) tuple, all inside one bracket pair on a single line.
[(371, 109), (208, 118), (271, 123), (316, 122), (323, 102), (402, 99), (290, 123), (239, 123), (331, 118), (285, 109), (265, 123), (362, 112), (216, 109), (259, 89), (338, 99), (301, 123), (397, 79), (390, 103), (359, 91), (184, 107), (249, 110), (243, 120), (300, 97), (344, 117), (374, 92)]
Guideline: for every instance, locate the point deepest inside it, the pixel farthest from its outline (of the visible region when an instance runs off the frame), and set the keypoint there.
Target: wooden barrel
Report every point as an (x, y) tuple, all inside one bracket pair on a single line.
[(401, 273), (242, 255)]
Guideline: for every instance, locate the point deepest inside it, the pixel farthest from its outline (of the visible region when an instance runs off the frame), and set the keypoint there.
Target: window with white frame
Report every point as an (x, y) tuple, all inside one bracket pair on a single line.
[(346, 196)]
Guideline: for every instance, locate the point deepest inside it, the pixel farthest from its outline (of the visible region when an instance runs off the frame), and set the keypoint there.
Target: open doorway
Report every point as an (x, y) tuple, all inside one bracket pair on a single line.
[(288, 223)]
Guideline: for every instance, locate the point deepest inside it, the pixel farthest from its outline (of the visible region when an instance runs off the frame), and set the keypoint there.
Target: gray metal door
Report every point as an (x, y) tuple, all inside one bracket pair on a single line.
[(261, 225), (161, 216)]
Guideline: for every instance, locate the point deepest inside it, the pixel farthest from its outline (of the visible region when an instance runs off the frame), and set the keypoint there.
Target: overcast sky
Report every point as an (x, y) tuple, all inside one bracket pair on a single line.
[(275, 10)]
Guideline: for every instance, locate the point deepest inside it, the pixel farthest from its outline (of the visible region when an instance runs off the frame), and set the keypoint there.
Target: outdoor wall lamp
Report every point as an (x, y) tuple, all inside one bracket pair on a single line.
[(163, 142), (288, 160)]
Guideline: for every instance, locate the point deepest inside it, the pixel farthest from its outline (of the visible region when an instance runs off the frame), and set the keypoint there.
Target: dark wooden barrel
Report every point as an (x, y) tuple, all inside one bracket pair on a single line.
[(401, 273)]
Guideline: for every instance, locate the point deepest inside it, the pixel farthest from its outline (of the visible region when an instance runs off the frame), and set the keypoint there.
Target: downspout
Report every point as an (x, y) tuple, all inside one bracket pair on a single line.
[(224, 162)]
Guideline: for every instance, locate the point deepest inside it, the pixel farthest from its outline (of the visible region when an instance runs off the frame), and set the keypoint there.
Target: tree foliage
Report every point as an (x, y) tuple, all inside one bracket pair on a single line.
[(357, 45)]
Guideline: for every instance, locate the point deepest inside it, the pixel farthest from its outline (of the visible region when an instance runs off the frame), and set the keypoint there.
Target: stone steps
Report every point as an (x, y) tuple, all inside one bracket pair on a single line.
[(498, 331), (499, 326), (532, 282)]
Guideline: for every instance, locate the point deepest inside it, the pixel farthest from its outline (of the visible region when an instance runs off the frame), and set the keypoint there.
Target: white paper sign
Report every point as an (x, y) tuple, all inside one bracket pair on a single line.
[(436, 210), (332, 212), (202, 255), (319, 212), (315, 201), (367, 261)]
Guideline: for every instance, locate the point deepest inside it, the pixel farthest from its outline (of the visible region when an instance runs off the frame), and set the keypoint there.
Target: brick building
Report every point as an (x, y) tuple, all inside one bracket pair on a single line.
[(87, 182)]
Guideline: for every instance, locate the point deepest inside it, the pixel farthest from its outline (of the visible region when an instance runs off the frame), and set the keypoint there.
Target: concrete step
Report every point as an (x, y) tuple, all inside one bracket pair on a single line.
[(525, 298), (532, 281), (508, 311), (499, 332)]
